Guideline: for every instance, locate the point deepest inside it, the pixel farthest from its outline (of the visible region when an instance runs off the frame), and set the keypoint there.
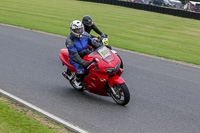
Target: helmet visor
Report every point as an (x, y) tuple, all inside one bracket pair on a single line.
[(88, 22), (78, 31)]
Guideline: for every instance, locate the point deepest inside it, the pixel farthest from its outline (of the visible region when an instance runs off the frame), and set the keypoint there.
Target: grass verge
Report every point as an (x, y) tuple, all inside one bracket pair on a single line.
[(146, 32), (15, 118)]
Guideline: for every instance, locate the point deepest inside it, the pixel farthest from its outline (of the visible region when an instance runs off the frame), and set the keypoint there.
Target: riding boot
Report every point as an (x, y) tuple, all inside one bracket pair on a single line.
[(79, 78), (80, 75)]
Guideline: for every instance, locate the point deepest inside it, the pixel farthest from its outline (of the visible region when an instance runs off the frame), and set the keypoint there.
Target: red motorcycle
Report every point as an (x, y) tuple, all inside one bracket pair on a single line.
[(103, 74)]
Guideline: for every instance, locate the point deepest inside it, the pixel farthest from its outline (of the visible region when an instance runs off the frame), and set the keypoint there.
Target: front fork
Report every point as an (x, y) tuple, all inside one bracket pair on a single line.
[(112, 89)]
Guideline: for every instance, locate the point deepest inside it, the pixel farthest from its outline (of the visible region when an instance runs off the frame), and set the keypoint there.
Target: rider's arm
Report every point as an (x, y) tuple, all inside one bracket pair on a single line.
[(93, 43), (96, 29)]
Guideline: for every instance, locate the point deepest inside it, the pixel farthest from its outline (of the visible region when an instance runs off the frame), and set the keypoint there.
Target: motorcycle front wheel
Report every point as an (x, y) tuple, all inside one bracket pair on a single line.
[(120, 94)]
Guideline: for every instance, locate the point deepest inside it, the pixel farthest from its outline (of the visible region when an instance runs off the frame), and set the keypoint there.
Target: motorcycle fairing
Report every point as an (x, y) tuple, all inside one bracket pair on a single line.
[(115, 80), (64, 57), (94, 83)]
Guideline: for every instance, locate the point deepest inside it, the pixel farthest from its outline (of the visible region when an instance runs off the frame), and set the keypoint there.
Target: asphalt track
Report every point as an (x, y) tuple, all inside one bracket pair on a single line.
[(165, 95)]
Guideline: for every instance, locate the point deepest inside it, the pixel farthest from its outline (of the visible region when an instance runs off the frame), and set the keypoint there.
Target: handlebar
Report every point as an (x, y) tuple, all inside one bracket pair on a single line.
[(91, 63)]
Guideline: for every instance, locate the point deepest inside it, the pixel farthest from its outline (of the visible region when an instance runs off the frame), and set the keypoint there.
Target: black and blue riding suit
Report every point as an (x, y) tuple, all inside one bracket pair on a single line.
[(78, 48)]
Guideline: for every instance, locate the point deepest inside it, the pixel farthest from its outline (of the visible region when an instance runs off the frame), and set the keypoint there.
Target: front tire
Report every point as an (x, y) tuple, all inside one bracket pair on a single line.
[(120, 94)]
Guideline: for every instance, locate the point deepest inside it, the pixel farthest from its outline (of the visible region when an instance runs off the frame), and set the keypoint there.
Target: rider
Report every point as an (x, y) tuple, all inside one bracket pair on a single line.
[(89, 25), (77, 43)]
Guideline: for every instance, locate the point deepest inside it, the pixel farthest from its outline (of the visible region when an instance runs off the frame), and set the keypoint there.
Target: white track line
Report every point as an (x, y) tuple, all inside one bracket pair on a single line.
[(51, 116)]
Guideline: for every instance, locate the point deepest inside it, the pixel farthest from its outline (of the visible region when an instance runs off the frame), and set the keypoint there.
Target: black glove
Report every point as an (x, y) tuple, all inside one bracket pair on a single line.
[(108, 46), (85, 64), (104, 35)]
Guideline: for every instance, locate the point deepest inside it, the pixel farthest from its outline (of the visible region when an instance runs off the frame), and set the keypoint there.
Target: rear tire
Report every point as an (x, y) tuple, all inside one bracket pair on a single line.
[(122, 96)]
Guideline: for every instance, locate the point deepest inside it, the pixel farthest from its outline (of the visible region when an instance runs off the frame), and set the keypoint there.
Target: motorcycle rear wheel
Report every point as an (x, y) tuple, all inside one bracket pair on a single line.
[(122, 95)]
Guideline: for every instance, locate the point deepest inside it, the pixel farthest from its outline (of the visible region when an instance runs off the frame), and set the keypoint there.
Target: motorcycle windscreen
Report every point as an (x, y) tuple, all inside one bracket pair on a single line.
[(105, 54)]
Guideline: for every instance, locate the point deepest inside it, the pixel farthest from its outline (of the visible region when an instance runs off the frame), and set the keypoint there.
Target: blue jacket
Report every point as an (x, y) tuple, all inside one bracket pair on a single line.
[(77, 47)]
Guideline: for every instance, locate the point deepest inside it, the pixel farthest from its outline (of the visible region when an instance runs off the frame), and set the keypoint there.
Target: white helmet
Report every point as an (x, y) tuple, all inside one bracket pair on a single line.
[(77, 28)]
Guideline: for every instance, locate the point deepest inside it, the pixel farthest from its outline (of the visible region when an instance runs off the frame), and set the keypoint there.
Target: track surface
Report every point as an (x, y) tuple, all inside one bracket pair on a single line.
[(165, 95)]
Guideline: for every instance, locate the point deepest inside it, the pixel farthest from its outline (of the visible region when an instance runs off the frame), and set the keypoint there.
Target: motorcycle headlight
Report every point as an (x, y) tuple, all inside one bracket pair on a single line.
[(110, 70)]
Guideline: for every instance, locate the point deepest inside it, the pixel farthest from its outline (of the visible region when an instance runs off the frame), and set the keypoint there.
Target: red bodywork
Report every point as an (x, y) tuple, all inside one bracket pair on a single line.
[(97, 78)]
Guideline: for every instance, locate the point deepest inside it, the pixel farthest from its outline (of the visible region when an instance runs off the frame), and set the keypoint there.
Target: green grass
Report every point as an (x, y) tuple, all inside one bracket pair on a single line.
[(12, 121), (146, 32)]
